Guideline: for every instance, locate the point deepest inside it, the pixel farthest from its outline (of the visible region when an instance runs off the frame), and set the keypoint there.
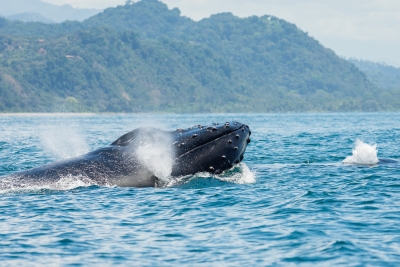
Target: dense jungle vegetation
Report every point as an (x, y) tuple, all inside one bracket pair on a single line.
[(380, 74), (143, 57)]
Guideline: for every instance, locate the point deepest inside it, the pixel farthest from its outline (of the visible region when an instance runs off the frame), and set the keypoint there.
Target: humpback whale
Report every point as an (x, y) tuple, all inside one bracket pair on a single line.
[(143, 157)]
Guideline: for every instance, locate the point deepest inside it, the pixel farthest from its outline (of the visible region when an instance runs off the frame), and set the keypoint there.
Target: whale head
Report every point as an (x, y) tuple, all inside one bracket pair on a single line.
[(213, 148)]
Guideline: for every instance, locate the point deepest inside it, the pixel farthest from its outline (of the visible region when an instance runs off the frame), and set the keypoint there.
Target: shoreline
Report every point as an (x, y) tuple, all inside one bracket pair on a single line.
[(25, 114), (88, 114)]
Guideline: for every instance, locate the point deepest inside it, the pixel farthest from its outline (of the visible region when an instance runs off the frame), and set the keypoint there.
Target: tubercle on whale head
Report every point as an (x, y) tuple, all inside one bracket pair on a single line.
[(214, 148), (198, 135)]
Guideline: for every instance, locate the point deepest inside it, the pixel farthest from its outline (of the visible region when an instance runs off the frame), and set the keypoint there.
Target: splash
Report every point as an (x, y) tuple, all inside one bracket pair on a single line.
[(239, 174), (363, 154), (14, 185), (63, 141), (155, 153)]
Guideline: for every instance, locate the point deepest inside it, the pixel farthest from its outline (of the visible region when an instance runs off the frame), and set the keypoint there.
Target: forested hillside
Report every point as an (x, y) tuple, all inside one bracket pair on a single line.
[(381, 75), (144, 58)]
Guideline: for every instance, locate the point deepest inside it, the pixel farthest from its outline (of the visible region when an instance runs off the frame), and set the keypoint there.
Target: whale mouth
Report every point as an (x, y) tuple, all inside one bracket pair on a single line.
[(212, 149)]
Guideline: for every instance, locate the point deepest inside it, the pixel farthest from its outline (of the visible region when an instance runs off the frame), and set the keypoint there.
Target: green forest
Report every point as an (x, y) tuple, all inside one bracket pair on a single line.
[(144, 57), (380, 74)]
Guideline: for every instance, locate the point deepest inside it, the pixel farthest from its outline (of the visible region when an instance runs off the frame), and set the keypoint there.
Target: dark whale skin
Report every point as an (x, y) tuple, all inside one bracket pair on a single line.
[(212, 149)]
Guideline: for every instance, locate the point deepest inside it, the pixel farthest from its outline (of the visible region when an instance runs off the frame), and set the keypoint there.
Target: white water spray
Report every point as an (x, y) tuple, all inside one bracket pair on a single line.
[(240, 174), (243, 176), (69, 182), (363, 154), (155, 153), (63, 141)]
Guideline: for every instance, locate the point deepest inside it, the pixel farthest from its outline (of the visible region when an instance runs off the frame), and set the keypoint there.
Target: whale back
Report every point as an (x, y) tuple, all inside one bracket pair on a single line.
[(143, 134), (126, 139)]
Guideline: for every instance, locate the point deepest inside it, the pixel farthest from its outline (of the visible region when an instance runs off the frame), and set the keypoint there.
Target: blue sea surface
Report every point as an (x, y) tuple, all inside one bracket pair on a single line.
[(291, 202)]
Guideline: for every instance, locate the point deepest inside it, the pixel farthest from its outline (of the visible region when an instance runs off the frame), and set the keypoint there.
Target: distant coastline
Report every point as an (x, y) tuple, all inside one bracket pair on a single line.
[(22, 114), (88, 114)]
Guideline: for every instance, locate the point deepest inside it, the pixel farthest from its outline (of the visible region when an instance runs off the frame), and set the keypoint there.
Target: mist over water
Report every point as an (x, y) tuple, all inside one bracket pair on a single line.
[(305, 194), (62, 140)]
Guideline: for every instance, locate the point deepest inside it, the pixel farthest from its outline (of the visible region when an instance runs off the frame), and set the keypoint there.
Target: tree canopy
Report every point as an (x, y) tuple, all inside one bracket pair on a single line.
[(144, 57)]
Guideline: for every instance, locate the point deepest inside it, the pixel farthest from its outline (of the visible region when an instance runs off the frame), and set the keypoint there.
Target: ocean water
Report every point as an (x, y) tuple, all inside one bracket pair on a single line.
[(308, 193)]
